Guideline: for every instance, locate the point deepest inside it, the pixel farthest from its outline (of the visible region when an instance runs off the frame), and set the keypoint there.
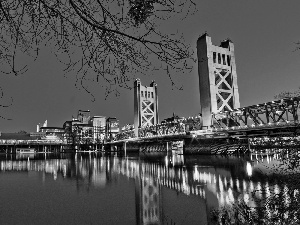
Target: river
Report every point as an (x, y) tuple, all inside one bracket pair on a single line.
[(96, 188)]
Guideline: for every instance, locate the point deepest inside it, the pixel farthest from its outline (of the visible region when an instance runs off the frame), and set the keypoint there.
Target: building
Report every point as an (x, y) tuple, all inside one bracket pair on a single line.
[(112, 128), (174, 119), (217, 78), (44, 132), (86, 129), (77, 133), (98, 123), (84, 116), (52, 133)]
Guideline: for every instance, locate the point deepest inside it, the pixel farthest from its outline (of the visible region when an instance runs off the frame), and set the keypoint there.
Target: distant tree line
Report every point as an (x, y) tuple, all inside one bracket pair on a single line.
[(288, 94)]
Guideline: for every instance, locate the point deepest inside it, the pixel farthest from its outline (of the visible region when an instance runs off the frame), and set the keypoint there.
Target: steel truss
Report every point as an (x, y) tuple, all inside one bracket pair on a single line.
[(167, 128), (284, 112)]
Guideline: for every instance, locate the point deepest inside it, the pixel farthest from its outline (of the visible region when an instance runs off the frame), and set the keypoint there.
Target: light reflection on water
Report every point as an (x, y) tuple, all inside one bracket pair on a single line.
[(150, 189)]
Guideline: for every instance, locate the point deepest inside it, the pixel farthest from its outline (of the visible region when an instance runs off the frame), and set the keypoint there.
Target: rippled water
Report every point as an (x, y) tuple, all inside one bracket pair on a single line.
[(109, 189)]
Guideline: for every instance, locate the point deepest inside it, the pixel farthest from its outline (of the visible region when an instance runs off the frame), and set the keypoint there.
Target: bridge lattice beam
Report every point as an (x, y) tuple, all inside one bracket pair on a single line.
[(280, 111)]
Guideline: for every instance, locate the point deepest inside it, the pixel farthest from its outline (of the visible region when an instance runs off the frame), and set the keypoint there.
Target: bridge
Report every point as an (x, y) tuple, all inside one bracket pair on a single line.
[(278, 119), (222, 126)]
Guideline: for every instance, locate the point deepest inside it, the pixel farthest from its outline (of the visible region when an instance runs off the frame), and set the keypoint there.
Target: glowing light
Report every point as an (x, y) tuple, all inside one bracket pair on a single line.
[(246, 198), (276, 189), (249, 169)]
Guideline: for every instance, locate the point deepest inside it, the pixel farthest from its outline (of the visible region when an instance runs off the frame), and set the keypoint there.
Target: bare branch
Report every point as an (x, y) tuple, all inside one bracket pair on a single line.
[(110, 42)]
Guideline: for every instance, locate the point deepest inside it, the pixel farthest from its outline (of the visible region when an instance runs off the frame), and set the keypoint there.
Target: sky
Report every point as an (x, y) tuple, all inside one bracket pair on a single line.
[(264, 34)]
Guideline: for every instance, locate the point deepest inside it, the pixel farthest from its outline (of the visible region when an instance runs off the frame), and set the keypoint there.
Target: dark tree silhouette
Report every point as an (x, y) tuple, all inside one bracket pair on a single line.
[(105, 41), (22, 132), (288, 94)]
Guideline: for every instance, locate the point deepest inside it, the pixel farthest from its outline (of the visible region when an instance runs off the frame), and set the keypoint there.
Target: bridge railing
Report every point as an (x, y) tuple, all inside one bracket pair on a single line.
[(276, 113)]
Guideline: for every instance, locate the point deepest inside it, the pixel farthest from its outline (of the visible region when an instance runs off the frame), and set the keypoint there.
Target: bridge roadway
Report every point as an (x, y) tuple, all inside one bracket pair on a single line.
[(218, 140), (245, 131)]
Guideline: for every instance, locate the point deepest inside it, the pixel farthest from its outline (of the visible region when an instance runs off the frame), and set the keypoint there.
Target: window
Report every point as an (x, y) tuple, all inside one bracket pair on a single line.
[(152, 94), (228, 60), (142, 93), (219, 58), (214, 57), (223, 59), (148, 94)]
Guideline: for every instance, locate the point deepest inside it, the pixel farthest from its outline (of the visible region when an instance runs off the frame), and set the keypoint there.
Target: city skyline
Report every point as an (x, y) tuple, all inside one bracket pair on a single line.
[(264, 35)]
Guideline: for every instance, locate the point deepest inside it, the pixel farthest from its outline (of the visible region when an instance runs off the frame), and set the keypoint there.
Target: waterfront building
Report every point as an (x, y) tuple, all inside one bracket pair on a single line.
[(48, 133), (84, 116), (52, 131), (112, 128), (85, 129), (174, 119), (7, 138), (98, 123), (127, 127), (55, 134), (77, 132)]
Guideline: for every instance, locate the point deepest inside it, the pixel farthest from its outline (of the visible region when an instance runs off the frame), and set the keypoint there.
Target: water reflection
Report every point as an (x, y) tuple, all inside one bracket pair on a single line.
[(206, 182)]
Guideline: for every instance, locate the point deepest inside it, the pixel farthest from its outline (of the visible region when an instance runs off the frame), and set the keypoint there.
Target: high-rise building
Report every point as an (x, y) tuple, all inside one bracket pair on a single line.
[(217, 78), (112, 128), (98, 123), (84, 116)]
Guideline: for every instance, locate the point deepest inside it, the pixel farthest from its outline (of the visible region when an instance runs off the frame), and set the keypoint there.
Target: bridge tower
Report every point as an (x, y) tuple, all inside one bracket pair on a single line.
[(149, 205), (217, 78), (145, 105)]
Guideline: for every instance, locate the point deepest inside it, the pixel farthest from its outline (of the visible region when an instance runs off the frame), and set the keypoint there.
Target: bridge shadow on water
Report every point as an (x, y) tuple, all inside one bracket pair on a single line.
[(144, 188)]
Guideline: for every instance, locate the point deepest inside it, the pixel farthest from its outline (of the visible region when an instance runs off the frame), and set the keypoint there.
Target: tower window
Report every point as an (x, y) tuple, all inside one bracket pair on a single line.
[(148, 94), (228, 60), (223, 59), (214, 57), (142, 93), (219, 58), (152, 94)]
